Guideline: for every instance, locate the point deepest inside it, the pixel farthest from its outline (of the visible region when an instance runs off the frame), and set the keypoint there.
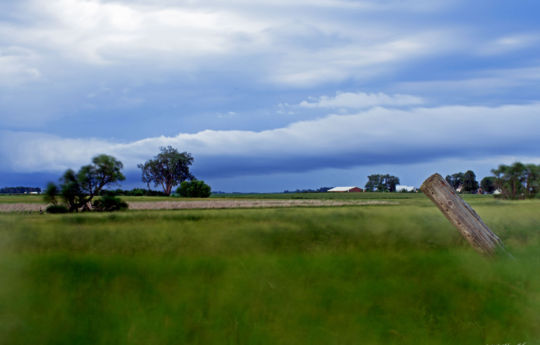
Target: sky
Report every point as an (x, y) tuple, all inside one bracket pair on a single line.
[(269, 95)]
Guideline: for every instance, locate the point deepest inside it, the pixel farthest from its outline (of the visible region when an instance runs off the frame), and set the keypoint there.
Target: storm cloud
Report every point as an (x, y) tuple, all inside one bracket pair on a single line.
[(375, 136)]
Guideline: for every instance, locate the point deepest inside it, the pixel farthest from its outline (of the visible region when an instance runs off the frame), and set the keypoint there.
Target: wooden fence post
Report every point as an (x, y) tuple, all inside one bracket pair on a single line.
[(461, 215)]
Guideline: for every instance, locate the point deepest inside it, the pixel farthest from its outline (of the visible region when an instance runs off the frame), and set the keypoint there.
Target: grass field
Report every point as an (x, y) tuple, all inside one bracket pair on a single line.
[(387, 274), (417, 197)]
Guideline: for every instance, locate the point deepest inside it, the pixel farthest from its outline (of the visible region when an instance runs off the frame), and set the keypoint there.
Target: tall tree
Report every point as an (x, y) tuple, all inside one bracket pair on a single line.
[(168, 169), (488, 184), (469, 182), (49, 196), (532, 181)]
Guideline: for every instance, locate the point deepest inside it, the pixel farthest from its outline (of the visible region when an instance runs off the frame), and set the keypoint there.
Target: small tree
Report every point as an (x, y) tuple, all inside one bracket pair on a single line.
[(488, 184), (109, 202), (374, 183), (50, 194), (78, 189), (532, 182), (381, 183), (469, 182), (391, 182), (510, 179), (194, 189), (168, 169), (455, 180)]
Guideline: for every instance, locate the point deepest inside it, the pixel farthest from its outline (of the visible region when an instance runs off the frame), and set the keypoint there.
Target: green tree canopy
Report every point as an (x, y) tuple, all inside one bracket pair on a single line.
[(469, 182), (194, 189), (168, 169), (381, 183), (455, 180), (488, 184), (517, 180), (78, 189)]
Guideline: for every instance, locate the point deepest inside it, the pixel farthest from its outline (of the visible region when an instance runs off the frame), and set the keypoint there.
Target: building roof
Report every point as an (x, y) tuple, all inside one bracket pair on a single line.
[(401, 187), (342, 189)]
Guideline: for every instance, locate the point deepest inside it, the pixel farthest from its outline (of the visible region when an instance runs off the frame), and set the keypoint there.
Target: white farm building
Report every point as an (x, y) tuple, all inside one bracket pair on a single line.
[(403, 188), (351, 189)]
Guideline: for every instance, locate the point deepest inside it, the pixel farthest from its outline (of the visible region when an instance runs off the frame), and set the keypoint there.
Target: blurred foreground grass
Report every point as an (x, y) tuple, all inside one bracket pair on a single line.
[(336, 275)]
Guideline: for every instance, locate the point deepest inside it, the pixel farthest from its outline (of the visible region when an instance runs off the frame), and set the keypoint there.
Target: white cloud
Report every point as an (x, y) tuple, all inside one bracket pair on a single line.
[(362, 56), (509, 43), (376, 136), (361, 100), (283, 45), (110, 32), (17, 66)]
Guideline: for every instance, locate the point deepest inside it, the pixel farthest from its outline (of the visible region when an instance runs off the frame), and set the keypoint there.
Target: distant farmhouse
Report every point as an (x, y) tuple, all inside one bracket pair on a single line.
[(346, 189), (403, 188)]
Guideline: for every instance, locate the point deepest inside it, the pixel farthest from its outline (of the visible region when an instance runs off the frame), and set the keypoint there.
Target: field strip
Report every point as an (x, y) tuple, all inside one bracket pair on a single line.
[(254, 203), (212, 204), (22, 207)]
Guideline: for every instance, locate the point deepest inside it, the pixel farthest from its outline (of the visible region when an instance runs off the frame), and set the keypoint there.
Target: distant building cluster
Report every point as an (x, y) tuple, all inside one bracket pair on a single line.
[(403, 188), (20, 190)]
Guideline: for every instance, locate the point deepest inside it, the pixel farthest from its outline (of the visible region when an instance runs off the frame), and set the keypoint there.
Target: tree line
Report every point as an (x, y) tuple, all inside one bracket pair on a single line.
[(309, 190), (77, 191), (518, 180), (515, 181), (466, 182), (20, 190)]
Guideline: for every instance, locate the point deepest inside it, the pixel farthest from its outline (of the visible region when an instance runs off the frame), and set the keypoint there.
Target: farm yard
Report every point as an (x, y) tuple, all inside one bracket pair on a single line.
[(346, 269)]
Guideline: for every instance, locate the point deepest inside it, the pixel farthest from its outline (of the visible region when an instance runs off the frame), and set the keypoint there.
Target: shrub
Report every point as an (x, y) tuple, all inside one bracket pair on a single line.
[(56, 209), (194, 189), (50, 194), (109, 203), (137, 192)]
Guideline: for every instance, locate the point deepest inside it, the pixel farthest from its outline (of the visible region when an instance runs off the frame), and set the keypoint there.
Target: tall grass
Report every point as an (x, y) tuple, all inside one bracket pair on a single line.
[(338, 275)]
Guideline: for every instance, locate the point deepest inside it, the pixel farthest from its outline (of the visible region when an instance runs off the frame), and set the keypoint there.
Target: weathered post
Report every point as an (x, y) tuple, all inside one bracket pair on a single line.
[(461, 215)]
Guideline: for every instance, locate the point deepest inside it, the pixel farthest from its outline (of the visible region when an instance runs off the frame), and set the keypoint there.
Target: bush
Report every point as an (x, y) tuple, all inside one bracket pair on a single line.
[(136, 192), (194, 189), (56, 209), (109, 203)]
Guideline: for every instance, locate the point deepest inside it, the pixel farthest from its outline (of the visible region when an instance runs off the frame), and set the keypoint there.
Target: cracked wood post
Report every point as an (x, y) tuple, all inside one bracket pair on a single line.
[(461, 215)]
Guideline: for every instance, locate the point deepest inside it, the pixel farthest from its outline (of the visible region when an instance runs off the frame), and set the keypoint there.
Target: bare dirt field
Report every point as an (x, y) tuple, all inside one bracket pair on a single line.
[(22, 207), (205, 204)]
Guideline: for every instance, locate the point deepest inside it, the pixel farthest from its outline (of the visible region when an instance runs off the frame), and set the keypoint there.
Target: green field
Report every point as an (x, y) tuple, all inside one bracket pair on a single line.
[(387, 274), (20, 198), (11, 199)]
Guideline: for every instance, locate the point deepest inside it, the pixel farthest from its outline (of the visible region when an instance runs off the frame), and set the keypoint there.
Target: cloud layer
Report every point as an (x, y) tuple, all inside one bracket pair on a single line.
[(376, 136), (192, 36)]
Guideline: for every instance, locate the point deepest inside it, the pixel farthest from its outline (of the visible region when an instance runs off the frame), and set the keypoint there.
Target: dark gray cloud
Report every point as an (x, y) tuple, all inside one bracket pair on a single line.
[(372, 137)]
